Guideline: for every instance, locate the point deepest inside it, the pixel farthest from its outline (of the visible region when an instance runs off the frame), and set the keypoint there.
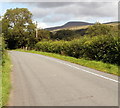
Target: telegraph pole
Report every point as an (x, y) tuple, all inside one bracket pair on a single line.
[(36, 30)]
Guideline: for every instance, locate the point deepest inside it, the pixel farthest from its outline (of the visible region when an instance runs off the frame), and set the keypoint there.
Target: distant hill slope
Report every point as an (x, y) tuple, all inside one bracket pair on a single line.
[(112, 22), (69, 24), (74, 25)]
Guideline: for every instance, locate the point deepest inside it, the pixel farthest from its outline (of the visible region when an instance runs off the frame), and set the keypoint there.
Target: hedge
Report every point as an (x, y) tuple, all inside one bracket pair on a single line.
[(101, 48)]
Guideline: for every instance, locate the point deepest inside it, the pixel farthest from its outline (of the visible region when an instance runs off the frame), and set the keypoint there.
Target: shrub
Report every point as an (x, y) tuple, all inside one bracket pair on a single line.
[(101, 48)]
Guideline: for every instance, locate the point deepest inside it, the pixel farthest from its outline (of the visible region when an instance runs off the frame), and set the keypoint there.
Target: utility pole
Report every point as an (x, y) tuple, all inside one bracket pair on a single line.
[(36, 30)]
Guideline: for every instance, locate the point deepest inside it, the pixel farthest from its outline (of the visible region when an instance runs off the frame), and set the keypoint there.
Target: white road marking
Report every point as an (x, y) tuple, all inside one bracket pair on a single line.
[(89, 72)]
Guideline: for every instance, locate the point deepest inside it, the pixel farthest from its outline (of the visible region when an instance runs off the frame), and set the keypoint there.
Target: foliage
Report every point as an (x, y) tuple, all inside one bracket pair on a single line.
[(5, 69), (93, 30), (82, 32), (6, 83), (63, 34), (43, 34), (0, 70), (102, 48), (18, 27), (99, 29)]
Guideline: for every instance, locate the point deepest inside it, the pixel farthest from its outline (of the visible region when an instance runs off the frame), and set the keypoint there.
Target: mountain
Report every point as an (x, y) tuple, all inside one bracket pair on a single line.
[(69, 24), (78, 25)]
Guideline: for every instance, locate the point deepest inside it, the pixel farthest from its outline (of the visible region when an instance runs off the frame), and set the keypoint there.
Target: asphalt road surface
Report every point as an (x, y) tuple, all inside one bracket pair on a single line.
[(39, 80)]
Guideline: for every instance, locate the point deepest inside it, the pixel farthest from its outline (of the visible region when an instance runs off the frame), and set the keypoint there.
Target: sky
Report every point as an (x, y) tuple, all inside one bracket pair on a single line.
[(52, 13)]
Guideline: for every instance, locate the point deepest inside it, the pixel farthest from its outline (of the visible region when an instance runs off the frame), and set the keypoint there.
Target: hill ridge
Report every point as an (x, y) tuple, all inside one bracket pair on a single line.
[(75, 24), (70, 24)]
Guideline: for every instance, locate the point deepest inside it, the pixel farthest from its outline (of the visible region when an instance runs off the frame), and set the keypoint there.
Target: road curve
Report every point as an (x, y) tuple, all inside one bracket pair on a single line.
[(38, 80)]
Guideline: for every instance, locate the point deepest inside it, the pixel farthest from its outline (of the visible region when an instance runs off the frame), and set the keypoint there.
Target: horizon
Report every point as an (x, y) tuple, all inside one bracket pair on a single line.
[(81, 21)]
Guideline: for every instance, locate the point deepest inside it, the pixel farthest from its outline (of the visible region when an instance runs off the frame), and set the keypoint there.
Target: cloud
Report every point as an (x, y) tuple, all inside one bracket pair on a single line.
[(59, 1), (90, 9), (56, 18), (58, 12), (49, 4), (42, 25), (77, 11), (39, 12)]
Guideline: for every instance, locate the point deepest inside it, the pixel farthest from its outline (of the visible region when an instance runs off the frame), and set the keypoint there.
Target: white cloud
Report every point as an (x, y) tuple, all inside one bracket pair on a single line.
[(42, 25), (51, 13)]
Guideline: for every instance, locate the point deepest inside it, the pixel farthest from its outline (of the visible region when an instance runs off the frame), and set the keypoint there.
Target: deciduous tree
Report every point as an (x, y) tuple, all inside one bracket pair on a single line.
[(18, 27)]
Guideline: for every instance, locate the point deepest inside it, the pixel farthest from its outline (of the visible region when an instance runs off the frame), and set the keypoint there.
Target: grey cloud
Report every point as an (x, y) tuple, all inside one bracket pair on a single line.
[(66, 11), (62, 4), (89, 9), (50, 4), (104, 10), (57, 18), (40, 12), (59, 0), (91, 4)]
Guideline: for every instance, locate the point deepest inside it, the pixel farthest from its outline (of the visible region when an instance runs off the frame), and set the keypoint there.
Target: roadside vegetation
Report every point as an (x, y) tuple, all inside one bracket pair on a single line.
[(5, 70), (6, 83), (0, 72), (100, 48)]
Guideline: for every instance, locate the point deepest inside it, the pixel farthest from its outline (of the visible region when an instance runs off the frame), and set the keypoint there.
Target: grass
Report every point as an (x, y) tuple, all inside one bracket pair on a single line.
[(5, 69), (0, 72), (98, 65), (6, 81)]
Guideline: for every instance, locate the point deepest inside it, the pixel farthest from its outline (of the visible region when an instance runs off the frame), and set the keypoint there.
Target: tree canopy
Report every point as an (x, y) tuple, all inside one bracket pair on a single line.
[(99, 29), (43, 34), (18, 27), (63, 34)]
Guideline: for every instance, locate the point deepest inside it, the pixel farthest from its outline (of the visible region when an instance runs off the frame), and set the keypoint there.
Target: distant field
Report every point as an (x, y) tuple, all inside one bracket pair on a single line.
[(113, 24), (73, 28)]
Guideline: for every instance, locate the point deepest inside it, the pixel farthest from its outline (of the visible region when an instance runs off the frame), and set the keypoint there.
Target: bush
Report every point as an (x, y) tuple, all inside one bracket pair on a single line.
[(101, 48)]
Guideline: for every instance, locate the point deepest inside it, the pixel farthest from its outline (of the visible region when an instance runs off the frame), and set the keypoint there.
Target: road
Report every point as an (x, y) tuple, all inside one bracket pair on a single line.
[(39, 80)]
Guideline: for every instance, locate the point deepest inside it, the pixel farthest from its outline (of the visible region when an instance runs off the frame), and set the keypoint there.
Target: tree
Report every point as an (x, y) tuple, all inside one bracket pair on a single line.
[(63, 34), (99, 29), (18, 27), (43, 34)]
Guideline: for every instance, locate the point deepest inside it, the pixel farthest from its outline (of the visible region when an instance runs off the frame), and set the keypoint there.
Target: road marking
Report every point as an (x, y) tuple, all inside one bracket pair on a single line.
[(82, 69), (89, 72), (54, 59)]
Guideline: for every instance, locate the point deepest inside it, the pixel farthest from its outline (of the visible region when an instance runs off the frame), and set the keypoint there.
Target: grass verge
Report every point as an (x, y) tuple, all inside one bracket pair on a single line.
[(98, 65), (6, 82)]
